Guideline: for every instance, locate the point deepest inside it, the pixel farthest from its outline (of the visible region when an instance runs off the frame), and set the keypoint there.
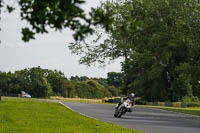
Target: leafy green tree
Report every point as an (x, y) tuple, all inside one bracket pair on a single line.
[(22, 78), (71, 90), (159, 40), (74, 78), (40, 87), (3, 82), (58, 15), (113, 90), (39, 84), (146, 79), (101, 81), (83, 90), (9, 83), (84, 78), (118, 41), (95, 89), (58, 81), (115, 79)]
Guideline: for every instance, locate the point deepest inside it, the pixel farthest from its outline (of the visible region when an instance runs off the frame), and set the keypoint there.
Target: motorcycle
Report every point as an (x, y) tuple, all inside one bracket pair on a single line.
[(123, 108)]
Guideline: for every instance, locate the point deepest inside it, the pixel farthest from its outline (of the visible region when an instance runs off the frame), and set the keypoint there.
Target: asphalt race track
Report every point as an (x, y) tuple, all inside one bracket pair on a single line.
[(143, 119)]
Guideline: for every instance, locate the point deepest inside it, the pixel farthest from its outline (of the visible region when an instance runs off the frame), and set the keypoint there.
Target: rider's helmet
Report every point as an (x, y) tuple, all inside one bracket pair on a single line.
[(132, 95)]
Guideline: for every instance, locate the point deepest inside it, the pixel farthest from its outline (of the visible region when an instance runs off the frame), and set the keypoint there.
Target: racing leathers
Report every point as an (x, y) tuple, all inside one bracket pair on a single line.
[(123, 99)]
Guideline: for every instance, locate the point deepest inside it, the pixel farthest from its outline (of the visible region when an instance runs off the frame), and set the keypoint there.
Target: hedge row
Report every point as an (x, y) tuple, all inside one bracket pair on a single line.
[(167, 104), (174, 104)]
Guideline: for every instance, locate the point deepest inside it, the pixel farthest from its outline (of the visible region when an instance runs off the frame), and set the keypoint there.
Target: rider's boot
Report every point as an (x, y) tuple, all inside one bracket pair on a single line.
[(129, 110)]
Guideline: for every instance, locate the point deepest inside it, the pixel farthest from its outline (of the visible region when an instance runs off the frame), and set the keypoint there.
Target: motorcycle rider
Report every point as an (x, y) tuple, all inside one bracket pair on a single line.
[(131, 98)]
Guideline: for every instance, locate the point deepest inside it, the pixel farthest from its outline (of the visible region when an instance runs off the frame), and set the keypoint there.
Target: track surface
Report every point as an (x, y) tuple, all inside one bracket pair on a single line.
[(143, 119)]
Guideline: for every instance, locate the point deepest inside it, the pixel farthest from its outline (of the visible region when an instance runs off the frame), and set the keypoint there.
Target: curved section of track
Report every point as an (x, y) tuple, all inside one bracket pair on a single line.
[(143, 119)]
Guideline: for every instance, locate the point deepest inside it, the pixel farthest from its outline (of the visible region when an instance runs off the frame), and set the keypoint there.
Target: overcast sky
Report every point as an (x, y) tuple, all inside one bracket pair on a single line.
[(47, 51)]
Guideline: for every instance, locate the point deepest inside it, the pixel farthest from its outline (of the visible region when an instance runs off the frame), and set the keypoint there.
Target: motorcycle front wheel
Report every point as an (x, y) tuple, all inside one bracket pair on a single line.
[(116, 113), (121, 112)]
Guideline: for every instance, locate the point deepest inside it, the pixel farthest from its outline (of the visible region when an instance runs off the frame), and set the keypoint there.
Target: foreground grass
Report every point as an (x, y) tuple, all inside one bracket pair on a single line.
[(191, 111), (20, 115)]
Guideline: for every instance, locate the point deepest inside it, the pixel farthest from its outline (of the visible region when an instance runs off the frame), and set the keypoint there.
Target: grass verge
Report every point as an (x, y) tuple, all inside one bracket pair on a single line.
[(19, 115), (191, 110), (80, 100)]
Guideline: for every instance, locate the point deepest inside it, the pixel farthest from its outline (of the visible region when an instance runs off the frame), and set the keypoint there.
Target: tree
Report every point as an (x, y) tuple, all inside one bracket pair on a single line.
[(159, 40), (146, 79), (39, 84), (113, 90), (3, 81), (9, 83), (58, 15), (115, 79), (58, 81), (118, 41), (40, 87), (22, 78), (84, 78), (71, 90), (75, 78), (101, 81)]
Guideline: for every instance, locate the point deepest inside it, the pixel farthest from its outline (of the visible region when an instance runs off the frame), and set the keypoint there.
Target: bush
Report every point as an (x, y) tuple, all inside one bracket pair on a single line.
[(195, 99), (161, 103), (177, 104), (193, 104), (189, 99), (90, 89), (140, 101), (113, 90)]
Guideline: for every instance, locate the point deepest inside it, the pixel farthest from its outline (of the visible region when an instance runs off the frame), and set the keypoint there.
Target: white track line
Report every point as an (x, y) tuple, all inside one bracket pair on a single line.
[(78, 112)]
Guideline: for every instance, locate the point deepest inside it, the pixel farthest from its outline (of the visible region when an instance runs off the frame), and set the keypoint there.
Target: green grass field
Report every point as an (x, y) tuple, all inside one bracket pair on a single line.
[(19, 115), (191, 111)]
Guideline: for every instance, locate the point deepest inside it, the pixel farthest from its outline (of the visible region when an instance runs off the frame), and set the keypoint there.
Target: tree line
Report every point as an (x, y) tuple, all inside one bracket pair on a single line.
[(40, 82)]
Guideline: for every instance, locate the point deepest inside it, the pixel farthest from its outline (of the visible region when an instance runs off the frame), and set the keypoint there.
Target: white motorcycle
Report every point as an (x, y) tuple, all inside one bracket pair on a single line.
[(123, 108)]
